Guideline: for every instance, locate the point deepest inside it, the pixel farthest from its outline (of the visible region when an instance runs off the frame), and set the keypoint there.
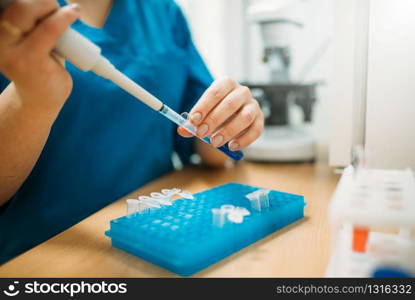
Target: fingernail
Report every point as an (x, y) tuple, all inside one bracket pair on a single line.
[(217, 140), (196, 117), (183, 130), (75, 7), (202, 129), (233, 146)]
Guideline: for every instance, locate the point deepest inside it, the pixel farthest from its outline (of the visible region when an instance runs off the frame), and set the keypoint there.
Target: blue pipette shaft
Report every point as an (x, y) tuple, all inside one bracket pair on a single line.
[(180, 121)]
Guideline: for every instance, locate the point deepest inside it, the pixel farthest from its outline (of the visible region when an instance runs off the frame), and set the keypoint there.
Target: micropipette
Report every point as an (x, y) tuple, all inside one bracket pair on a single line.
[(86, 56)]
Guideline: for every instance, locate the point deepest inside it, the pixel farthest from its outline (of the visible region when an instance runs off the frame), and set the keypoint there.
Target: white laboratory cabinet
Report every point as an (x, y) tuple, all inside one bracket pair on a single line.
[(374, 84)]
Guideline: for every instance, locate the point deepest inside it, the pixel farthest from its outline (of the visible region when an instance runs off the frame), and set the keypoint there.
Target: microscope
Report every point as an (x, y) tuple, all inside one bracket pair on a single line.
[(281, 141)]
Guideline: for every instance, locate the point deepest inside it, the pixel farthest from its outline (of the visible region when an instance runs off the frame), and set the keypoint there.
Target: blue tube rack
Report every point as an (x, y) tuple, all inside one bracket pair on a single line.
[(182, 238)]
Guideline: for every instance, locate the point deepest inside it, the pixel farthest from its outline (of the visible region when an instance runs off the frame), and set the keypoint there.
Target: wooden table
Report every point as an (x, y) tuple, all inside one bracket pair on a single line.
[(300, 250)]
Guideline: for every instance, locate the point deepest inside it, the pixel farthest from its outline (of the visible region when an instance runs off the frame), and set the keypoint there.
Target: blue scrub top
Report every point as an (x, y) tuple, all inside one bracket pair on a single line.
[(104, 143)]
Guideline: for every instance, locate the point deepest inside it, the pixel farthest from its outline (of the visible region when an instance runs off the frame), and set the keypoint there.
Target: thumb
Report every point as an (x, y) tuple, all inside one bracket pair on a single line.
[(45, 36), (183, 132)]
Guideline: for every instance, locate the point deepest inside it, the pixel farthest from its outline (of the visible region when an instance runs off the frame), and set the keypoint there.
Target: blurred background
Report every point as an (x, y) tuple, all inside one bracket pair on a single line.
[(285, 48), (329, 74)]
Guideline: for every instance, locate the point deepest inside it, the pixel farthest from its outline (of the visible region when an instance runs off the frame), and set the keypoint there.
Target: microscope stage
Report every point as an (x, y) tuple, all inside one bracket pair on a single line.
[(282, 144)]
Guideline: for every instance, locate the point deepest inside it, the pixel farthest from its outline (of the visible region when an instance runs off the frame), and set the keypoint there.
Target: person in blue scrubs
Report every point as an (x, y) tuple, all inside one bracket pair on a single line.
[(72, 142)]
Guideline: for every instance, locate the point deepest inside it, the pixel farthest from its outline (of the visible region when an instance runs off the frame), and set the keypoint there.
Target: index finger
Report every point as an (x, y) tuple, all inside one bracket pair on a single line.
[(210, 98), (19, 17), (47, 33)]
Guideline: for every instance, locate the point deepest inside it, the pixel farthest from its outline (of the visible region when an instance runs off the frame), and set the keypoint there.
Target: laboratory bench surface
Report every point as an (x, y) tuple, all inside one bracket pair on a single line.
[(299, 250)]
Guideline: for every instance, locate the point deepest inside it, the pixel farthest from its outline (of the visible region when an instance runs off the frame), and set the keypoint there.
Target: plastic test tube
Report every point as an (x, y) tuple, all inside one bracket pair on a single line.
[(259, 199), (132, 206), (161, 198), (218, 217), (263, 198), (148, 201), (230, 213), (181, 120)]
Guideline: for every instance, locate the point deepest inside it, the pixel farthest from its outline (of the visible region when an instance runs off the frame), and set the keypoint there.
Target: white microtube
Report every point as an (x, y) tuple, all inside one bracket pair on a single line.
[(242, 211), (218, 217), (259, 199), (227, 208), (132, 206), (263, 198), (161, 199), (151, 203), (186, 195), (237, 214), (175, 191), (186, 124), (254, 201), (227, 212), (168, 192), (235, 217)]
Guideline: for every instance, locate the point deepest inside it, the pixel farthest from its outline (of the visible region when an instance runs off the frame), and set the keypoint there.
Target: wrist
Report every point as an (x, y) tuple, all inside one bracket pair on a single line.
[(39, 103), (28, 107)]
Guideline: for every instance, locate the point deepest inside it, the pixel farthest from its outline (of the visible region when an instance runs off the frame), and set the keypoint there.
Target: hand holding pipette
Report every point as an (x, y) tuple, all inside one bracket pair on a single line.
[(227, 110), (29, 31)]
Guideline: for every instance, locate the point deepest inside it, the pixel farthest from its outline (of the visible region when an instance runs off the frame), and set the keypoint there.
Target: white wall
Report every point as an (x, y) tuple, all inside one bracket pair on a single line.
[(217, 27), (374, 99), (344, 88), (390, 124)]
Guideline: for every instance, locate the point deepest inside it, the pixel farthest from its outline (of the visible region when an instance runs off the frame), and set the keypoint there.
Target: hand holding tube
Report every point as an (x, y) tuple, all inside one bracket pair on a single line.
[(227, 114)]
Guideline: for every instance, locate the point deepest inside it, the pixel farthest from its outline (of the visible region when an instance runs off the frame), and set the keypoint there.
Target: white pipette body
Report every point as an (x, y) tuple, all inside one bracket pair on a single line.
[(86, 56)]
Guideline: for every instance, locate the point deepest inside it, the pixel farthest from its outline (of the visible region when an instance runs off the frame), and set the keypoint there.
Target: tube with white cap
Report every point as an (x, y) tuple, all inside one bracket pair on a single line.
[(86, 56)]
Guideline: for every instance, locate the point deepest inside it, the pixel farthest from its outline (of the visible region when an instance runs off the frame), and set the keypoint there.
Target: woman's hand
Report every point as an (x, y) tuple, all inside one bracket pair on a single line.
[(29, 30), (227, 112)]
